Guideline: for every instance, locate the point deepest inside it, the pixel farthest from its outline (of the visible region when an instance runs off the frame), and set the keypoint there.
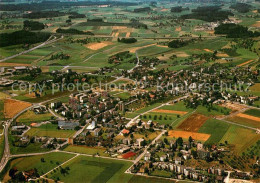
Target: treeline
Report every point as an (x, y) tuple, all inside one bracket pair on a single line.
[(32, 25), (72, 31), (76, 15), (178, 9), (208, 13), (241, 7), (177, 43), (235, 31), (43, 14), (22, 37), (127, 40), (56, 4), (100, 22), (138, 10)]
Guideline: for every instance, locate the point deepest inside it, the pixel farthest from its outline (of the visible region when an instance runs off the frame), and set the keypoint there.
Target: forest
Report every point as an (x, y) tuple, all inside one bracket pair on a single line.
[(33, 25), (208, 13), (22, 37), (235, 31)]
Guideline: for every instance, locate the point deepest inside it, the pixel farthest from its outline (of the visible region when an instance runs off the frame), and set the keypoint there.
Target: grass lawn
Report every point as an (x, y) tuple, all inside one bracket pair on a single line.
[(50, 130), (91, 169), (86, 150), (240, 137), (30, 116), (51, 160), (143, 179), (216, 128)]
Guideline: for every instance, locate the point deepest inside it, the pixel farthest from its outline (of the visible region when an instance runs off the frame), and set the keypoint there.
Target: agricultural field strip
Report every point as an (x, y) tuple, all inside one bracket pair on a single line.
[(34, 48), (235, 113), (184, 116)]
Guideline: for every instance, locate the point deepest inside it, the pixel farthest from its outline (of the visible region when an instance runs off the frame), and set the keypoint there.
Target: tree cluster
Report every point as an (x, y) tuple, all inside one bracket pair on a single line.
[(32, 25), (235, 31), (22, 37), (208, 13)]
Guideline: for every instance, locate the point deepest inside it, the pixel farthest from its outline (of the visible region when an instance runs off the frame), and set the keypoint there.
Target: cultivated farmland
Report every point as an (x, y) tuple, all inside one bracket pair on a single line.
[(13, 107), (193, 123)]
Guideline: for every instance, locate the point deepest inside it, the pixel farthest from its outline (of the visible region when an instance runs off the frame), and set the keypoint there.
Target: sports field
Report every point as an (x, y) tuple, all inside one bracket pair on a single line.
[(91, 169)]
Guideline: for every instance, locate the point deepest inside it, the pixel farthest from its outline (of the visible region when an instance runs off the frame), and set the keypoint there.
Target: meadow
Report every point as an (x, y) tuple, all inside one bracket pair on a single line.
[(51, 160), (91, 169)]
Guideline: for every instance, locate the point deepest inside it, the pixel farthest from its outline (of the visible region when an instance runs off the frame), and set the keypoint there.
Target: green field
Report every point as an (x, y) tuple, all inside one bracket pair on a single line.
[(161, 118), (244, 121), (30, 116), (51, 160), (86, 150), (144, 179), (140, 111), (240, 137), (215, 128), (50, 130), (253, 112), (215, 110), (31, 148), (177, 107), (91, 169)]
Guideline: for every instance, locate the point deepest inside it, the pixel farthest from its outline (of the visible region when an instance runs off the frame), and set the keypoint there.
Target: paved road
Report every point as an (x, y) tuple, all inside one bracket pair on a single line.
[(49, 41)]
